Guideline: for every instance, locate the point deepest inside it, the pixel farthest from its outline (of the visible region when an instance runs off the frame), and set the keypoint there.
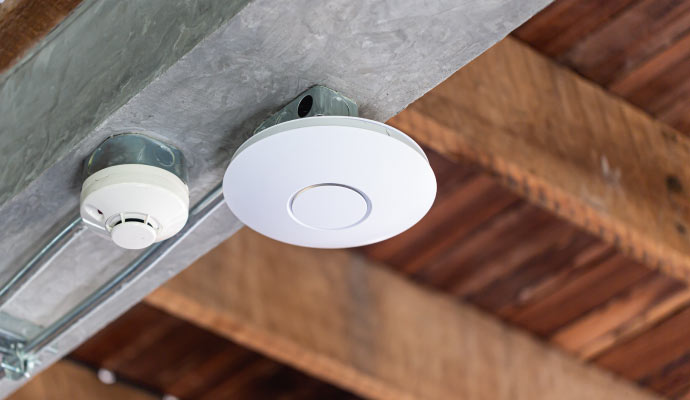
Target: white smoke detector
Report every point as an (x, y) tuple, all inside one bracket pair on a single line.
[(329, 182), (135, 192)]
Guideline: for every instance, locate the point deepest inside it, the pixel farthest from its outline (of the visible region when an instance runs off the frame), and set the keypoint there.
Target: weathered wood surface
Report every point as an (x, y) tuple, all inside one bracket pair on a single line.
[(351, 322), (25, 22), (568, 145), (153, 349), (638, 49), (67, 380)]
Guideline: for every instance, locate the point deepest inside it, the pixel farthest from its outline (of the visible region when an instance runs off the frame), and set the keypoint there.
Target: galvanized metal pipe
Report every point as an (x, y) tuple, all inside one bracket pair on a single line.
[(40, 260), (148, 259)]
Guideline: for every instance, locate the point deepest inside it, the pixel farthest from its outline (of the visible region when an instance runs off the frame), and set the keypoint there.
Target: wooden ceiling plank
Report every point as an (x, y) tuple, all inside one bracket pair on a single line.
[(226, 362), (588, 288), (616, 48), (24, 22), (190, 362), (109, 348), (142, 340), (653, 356), (564, 23), (516, 289), (68, 380), (678, 113), (552, 280), (469, 208), (163, 370), (623, 318), (566, 144), (673, 382), (358, 325), (444, 216), (648, 73), (476, 261), (666, 91), (243, 380)]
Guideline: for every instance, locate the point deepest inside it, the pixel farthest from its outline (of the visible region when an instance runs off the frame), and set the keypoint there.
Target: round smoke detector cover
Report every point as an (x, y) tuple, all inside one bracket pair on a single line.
[(329, 182), (135, 191), (136, 204)]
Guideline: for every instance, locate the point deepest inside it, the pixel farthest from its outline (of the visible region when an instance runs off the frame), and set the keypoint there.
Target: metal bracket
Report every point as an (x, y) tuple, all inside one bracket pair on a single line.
[(315, 101), (15, 363), (135, 148)]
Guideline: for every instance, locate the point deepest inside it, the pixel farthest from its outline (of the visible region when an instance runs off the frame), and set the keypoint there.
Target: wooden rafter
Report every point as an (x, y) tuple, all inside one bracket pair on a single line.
[(68, 380), (24, 22), (353, 323), (568, 145)]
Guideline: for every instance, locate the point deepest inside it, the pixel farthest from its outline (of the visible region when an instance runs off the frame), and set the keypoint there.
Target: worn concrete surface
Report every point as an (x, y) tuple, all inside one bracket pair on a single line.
[(382, 54), (93, 63)]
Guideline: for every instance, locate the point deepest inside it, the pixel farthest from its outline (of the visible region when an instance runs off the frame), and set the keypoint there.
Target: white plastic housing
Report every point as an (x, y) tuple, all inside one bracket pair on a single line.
[(329, 182), (137, 205)]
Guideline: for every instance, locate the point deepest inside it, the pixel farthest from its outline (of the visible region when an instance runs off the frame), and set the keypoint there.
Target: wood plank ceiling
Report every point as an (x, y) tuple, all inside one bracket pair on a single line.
[(485, 245), (637, 49), (25, 22), (166, 355)]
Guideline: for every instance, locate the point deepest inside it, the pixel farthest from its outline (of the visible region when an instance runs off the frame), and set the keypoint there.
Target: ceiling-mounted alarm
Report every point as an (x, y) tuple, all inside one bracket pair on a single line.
[(135, 190), (315, 175)]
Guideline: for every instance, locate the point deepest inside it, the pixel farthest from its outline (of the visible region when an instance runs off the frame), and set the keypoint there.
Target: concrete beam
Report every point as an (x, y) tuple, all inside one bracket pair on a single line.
[(383, 54), (91, 65)]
